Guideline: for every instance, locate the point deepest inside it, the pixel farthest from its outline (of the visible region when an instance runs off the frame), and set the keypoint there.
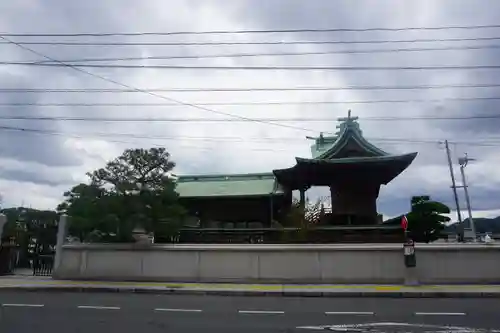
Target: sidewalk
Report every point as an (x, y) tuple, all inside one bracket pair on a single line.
[(25, 283)]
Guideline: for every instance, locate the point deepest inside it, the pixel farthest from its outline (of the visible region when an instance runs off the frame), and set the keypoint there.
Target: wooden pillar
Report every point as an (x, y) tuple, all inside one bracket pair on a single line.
[(302, 198), (303, 203), (332, 197), (271, 212)]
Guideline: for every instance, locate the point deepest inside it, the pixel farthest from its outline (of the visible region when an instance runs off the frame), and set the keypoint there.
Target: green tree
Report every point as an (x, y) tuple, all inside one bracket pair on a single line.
[(303, 219), (132, 190), (309, 215), (84, 204), (425, 220)]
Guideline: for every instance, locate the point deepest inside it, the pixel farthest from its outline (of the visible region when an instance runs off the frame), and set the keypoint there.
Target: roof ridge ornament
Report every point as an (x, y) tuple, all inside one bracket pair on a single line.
[(321, 139), (349, 118), (348, 122)]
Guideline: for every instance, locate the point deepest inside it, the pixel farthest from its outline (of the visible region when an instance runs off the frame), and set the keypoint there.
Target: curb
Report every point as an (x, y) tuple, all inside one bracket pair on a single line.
[(289, 293)]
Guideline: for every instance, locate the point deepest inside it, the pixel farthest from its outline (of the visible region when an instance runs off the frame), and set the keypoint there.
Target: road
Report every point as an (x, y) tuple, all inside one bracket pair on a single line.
[(144, 313)]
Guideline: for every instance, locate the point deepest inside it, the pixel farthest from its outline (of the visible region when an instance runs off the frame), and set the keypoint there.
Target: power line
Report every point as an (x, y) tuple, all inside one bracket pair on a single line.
[(238, 140), (231, 139), (256, 89), (293, 42), (276, 54), (461, 99), (140, 90), (281, 68), (101, 135), (146, 92), (131, 135), (296, 119), (213, 32)]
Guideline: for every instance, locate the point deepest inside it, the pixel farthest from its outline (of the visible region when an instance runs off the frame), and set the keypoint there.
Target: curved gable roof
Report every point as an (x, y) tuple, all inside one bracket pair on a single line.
[(351, 133)]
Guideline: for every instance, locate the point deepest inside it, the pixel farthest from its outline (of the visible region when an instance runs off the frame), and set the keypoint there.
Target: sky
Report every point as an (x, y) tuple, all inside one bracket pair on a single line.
[(40, 159)]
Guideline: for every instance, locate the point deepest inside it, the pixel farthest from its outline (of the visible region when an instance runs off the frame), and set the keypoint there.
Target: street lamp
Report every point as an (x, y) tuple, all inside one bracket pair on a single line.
[(463, 161)]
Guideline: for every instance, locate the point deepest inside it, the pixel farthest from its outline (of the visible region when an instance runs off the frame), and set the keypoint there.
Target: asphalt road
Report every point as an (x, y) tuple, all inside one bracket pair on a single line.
[(108, 312)]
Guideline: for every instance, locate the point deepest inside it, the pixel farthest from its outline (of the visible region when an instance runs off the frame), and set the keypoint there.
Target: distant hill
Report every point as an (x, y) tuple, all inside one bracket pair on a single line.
[(482, 225)]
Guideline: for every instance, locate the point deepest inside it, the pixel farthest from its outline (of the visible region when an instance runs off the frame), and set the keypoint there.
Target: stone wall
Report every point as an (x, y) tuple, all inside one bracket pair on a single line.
[(364, 263)]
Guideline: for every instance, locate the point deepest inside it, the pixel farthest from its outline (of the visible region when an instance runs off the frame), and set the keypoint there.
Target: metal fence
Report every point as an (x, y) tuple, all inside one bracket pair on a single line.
[(347, 234), (43, 265)]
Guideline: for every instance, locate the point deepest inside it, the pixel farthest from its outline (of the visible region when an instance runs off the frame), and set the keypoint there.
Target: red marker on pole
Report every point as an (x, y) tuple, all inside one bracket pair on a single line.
[(404, 223)]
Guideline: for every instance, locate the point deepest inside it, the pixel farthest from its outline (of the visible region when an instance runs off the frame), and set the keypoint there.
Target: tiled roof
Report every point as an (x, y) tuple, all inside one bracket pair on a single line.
[(255, 184), (405, 157), (350, 131), (341, 145)]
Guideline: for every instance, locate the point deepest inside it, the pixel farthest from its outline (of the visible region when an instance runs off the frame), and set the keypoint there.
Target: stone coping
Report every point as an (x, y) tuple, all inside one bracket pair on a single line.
[(277, 247)]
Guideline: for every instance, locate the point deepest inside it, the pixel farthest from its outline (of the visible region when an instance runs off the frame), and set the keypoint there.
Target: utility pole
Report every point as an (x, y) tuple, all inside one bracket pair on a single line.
[(454, 187), (463, 161)]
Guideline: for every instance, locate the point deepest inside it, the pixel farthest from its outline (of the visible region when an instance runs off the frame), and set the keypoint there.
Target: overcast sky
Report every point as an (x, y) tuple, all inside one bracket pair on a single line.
[(37, 167)]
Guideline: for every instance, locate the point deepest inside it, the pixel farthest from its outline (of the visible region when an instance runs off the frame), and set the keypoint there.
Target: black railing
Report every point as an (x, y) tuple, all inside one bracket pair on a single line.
[(43, 264), (340, 234)]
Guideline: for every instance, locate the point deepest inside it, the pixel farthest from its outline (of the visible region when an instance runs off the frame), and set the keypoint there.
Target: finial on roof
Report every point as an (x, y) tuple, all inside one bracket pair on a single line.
[(348, 122), (349, 119)]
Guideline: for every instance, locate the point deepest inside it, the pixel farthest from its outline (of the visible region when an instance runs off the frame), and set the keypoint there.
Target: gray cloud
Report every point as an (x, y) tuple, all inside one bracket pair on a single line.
[(295, 14), (257, 149), (34, 177), (25, 145)]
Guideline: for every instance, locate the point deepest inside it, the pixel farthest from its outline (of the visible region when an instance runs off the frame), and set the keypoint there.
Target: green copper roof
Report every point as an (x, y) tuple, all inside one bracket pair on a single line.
[(255, 184), (333, 156), (349, 142)]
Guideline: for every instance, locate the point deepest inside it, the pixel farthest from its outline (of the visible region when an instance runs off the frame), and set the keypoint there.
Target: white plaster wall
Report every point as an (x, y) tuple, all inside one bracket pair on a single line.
[(71, 261), (289, 266), (176, 265), (377, 266), (127, 264), (365, 263), (228, 266), (455, 266)]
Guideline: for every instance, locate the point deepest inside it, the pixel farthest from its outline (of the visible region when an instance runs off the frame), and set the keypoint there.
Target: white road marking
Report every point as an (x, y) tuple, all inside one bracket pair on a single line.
[(178, 310), (349, 313), (433, 328), (316, 328), (24, 305), (440, 313), (98, 307), (260, 312)]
